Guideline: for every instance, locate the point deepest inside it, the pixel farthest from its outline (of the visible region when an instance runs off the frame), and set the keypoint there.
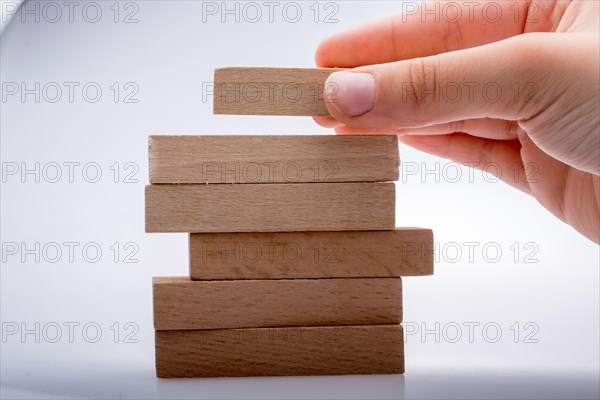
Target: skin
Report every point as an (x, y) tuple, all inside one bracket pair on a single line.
[(544, 135)]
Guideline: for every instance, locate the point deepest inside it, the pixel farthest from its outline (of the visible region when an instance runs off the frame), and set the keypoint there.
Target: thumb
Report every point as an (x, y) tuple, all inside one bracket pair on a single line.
[(498, 80)]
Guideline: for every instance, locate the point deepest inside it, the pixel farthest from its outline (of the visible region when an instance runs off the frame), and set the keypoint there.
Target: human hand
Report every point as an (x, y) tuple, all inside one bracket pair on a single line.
[(517, 85)]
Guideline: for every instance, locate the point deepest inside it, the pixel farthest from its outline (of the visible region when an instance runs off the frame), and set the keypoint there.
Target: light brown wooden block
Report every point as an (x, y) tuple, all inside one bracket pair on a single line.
[(271, 91), (180, 303), (272, 159), (270, 207), (281, 255), (340, 350)]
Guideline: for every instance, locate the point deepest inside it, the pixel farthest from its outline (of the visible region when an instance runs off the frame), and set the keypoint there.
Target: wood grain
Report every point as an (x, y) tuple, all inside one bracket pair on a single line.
[(366, 349), (272, 159), (180, 303), (288, 255), (270, 207), (270, 91)]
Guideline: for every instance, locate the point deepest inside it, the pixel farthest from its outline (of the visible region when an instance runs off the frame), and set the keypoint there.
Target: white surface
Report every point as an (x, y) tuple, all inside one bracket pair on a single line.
[(8, 8), (168, 54)]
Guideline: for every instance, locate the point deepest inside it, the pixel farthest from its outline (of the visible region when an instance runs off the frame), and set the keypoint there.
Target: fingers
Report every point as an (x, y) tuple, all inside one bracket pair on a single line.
[(500, 80), (570, 194), (327, 122), (487, 128), (431, 28), (499, 158)]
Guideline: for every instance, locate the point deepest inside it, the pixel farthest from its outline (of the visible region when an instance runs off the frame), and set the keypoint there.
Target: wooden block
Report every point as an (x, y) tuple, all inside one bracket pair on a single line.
[(272, 159), (288, 255), (271, 91), (270, 207), (340, 350), (180, 303)]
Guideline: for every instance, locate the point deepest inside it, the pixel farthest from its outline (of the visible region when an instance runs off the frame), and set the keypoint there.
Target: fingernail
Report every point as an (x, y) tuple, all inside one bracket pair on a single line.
[(352, 93)]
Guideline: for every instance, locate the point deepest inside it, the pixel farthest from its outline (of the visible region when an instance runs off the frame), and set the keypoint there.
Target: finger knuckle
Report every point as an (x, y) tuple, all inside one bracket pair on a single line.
[(422, 82)]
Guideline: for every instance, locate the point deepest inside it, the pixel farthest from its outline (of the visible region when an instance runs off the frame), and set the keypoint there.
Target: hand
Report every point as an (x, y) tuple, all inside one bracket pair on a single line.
[(522, 90)]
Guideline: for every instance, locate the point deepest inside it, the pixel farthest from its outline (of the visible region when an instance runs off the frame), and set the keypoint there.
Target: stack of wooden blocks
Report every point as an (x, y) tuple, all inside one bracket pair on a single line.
[(295, 261)]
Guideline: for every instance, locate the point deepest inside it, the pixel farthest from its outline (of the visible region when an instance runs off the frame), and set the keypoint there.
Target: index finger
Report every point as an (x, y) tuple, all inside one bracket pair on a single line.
[(429, 28)]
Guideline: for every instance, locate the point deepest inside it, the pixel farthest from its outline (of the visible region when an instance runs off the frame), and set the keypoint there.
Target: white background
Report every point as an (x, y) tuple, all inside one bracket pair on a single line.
[(168, 54)]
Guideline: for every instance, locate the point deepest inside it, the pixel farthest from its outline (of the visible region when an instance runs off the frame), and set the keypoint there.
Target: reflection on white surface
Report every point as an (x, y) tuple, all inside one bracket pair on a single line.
[(421, 384)]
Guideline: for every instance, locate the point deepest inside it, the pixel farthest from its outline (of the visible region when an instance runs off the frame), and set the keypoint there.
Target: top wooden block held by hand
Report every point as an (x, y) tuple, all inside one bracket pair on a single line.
[(271, 91), (272, 159)]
